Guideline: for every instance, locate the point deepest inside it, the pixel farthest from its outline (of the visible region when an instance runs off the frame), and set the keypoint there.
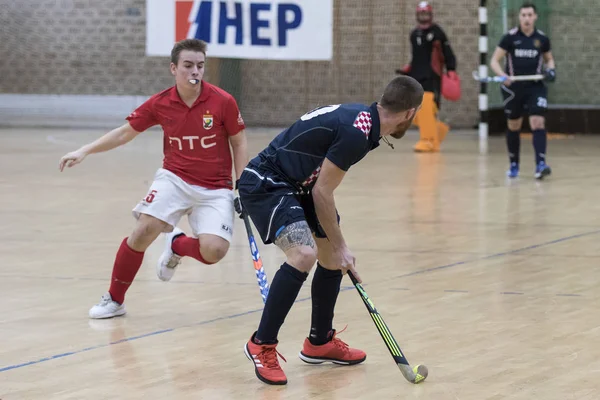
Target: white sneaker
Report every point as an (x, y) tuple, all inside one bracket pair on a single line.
[(168, 261), (107, 308)]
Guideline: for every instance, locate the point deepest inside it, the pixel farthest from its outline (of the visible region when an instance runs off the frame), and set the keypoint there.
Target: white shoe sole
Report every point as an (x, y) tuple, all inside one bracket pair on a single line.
[(258, 375), (118, 313), (311, 360)]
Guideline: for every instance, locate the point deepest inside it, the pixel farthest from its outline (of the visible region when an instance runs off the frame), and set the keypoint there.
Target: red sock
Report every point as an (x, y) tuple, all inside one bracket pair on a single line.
[(127, 264), (186, 246)]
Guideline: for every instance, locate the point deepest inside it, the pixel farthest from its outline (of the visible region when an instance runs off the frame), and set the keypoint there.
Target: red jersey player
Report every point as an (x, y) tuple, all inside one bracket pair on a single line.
[(199, 121)]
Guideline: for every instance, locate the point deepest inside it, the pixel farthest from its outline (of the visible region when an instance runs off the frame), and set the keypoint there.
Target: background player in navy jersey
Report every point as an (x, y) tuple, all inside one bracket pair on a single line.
[(526, 49), (200, 123), (287, 190)]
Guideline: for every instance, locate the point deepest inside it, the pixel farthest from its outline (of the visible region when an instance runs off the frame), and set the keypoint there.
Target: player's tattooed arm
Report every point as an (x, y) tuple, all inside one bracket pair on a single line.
[(296, 234)]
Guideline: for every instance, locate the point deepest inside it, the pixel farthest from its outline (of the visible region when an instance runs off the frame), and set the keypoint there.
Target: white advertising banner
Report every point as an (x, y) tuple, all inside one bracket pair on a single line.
[(251, 29)]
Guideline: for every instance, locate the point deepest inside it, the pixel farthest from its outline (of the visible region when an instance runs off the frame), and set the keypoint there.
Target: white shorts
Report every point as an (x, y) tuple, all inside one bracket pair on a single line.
[(209, 211)]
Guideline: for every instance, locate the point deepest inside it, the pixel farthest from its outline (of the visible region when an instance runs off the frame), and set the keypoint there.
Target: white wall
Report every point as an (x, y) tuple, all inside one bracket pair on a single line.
[(77, 111)]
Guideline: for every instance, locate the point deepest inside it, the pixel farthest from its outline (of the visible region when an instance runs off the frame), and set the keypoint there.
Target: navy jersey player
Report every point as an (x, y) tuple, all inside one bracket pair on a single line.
[(287, 190), (526, 49)]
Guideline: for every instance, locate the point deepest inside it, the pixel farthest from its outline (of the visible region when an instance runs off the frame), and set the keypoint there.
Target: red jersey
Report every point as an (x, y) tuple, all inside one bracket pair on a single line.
[(196, 138)]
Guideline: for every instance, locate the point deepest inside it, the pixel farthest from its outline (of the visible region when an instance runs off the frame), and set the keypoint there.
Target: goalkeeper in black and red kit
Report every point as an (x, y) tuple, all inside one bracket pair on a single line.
[(431, 51)]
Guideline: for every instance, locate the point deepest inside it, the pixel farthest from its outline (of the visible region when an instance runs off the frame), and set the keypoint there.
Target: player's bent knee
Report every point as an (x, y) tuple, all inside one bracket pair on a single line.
[(303, 258), (213, 248), (515, 124), (536, 127), (326, 263), (213, 255), (537, 122), (145, 232), (297, 242), (326, 255)]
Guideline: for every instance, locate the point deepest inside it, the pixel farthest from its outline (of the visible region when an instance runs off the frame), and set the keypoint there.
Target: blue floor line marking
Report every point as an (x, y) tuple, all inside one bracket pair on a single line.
[(83, 278), (506, 292), (159, 332), (11, 367), (496, 255)]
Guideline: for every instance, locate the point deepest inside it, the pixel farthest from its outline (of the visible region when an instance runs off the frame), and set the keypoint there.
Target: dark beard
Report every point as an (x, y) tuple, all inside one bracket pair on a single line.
[(401, 130)]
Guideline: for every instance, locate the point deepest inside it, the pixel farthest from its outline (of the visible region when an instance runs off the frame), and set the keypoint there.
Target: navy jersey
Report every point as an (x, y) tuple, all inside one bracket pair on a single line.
[(342, 133), (524, 53)]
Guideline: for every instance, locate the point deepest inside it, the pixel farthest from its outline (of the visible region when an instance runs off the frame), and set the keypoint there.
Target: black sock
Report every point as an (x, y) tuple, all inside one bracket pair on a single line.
[(513, 144), (284, 289), (539, 145), (324, 292)]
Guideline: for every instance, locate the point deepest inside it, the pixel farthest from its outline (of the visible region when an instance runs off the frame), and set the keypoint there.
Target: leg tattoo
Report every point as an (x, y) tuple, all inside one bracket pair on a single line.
[(296, 234)]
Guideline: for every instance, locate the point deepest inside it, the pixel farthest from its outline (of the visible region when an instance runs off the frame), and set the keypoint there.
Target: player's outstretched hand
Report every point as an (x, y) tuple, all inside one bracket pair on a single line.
[(345, 261), (71, 159)]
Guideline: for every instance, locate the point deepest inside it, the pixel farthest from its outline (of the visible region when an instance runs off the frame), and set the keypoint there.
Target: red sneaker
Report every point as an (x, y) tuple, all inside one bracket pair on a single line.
[(266, 364), (335, 351)]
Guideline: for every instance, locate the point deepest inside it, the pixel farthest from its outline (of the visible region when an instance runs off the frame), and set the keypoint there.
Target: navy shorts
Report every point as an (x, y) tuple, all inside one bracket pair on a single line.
[(525, 98), (273, 204)]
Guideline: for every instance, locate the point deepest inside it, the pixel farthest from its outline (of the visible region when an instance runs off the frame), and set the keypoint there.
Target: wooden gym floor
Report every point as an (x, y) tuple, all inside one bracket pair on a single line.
[(492, 284)]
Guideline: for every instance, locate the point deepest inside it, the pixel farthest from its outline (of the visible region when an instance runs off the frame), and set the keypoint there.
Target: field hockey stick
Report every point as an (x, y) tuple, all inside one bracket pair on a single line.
[(516, 78), (261, 277), (413, 375)]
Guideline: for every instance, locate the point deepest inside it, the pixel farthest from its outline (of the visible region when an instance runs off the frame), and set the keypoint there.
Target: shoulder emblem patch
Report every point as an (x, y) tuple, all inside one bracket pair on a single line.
[(364, 122)]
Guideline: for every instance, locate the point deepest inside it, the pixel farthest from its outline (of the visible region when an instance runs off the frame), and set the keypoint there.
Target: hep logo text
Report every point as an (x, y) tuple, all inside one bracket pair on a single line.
[(211, 20)]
